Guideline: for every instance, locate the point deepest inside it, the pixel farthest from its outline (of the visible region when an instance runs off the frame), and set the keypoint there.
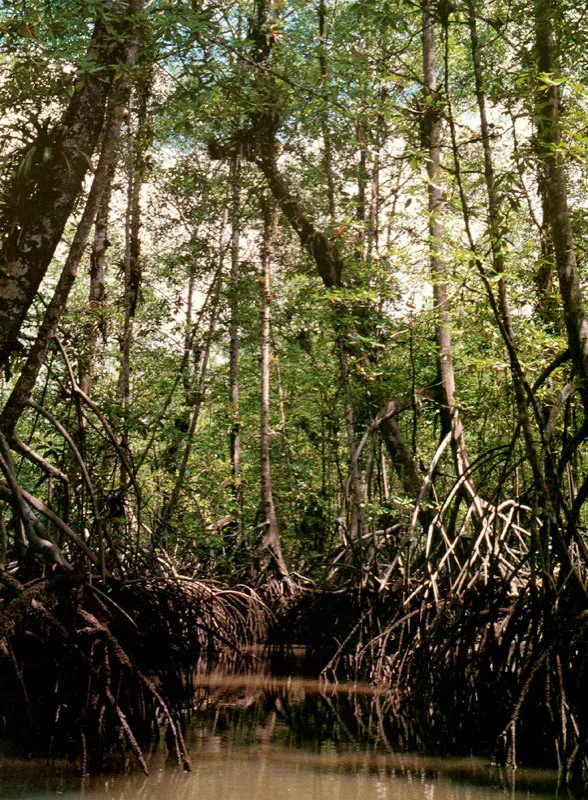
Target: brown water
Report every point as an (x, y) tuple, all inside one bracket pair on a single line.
[(260, 740)]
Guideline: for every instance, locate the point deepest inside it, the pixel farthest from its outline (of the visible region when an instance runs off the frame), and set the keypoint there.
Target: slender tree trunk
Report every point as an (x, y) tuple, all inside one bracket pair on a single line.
[(432, 134), (189, 350), (362, 172), (171, 506), (138, 142), (284, 426), (271, 540), (556, 207), (234, 328), (97, 290), (558, 218), (373, 232), (123, 388), (355, 496), (326, 134), (547, 301), (197, 395), (356, 500), (384, 474), (495, 229)]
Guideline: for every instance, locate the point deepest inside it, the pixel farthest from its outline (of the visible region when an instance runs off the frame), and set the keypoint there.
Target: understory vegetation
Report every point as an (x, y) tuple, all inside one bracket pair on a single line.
[(294, 350)]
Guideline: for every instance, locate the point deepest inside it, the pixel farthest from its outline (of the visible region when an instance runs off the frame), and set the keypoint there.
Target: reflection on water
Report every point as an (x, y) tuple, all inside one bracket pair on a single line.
[(260, 739)]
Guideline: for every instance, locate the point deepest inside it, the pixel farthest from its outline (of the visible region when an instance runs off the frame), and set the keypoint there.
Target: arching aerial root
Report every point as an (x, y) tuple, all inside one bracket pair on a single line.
[(90, 671)]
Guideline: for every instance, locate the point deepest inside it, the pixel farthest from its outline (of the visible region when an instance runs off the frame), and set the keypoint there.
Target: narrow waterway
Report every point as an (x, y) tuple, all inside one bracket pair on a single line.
[(260, 739)]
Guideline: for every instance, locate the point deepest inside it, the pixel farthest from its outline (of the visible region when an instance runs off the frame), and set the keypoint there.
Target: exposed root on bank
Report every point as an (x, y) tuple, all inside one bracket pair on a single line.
[(474, 634), (91, 670)]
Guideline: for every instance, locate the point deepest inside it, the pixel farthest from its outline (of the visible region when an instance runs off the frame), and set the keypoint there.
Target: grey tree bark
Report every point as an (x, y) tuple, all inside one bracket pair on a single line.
[(24, 386), (271, 539), (556, 205), (138, 142), (432, 133), (234, 327), (42, 199)]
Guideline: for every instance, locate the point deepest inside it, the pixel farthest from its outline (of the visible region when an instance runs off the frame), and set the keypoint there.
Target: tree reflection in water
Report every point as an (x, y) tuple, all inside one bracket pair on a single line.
[(255, 737)]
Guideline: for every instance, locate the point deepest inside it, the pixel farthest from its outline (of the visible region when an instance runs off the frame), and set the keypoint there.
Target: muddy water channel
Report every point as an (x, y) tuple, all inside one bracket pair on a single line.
[(259, 739)]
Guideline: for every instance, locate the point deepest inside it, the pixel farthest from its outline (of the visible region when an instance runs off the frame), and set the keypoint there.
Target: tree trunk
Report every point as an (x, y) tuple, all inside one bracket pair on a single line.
[(558, 218), (197, 396), (96, 292), (23, 389), (271, 540), (432, 133), (362, 173), (172, 505), (138, 142), (495, 230), (42, 199), (234, 327), (355, 494), (542, 469), (556, 208), (191, 354), (284, 431), (325, 250), (326, 134)]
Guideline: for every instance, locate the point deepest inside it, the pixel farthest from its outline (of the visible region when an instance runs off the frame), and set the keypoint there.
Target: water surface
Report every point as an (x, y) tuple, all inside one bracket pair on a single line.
[(256, 739)]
